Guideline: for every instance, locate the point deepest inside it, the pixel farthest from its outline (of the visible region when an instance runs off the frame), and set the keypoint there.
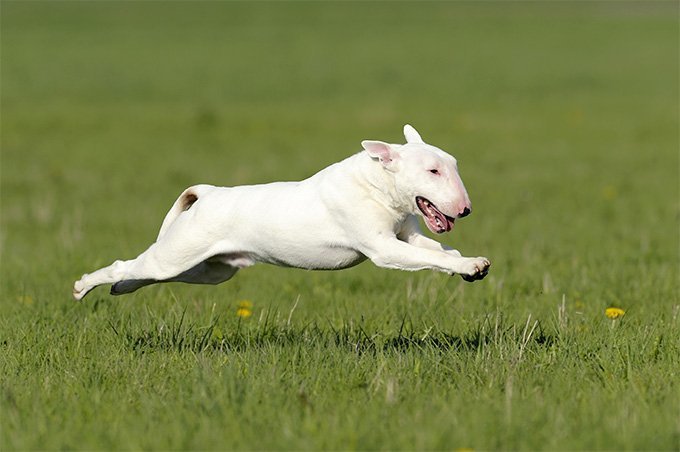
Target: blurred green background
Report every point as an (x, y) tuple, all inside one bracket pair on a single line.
[(563, 115)]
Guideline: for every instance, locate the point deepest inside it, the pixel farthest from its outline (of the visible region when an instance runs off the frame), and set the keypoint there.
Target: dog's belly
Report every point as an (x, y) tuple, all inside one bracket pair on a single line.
[(314, 258), (337, 258)]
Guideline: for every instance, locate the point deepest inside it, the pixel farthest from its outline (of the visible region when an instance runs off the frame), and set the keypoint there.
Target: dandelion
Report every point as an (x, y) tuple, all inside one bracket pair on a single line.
[(614, 313), (244, 313), (245, 309)]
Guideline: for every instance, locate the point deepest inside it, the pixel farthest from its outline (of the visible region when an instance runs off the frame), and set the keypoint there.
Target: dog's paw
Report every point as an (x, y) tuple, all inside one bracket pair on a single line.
[(80, 289), (475, 268)]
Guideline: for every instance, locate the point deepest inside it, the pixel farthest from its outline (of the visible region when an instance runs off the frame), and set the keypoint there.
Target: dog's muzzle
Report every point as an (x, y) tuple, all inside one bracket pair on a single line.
[(435, 220)]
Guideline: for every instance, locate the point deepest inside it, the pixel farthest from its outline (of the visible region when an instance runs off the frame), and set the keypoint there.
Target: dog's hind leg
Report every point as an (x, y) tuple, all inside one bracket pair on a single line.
[(180, 246), (110, 274), (163, 260), (130, 285), (214, 270), (210, 271), (181, 255), (153, 265)]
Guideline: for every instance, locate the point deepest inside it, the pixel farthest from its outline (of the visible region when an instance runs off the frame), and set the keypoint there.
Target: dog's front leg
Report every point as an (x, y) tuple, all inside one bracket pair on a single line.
[(396, 254), (412, 234)]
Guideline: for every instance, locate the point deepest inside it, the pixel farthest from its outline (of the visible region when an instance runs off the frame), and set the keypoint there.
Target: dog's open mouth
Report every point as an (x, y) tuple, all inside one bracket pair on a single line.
[(436, 221)]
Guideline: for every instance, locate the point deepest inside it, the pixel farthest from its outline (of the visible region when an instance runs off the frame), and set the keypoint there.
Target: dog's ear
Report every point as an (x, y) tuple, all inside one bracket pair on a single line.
[(412, 135), (381, 151)]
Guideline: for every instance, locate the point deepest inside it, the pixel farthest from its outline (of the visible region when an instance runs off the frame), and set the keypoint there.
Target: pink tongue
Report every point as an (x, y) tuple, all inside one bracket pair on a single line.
[(432, 214), (444, 222)]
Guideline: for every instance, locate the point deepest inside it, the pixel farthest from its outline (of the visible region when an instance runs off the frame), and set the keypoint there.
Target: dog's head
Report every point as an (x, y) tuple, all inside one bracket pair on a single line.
[(426, 179)]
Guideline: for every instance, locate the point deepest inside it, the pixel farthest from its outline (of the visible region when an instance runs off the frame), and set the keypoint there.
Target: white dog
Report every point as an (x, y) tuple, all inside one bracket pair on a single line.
[(365, 206)]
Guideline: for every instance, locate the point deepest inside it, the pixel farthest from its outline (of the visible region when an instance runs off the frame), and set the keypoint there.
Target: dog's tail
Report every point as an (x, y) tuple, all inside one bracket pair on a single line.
[(182, 204)]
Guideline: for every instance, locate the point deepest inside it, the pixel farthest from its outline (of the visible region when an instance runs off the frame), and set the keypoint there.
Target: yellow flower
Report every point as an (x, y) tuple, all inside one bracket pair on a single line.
[(614, 313), (244, 313), (244, 309)]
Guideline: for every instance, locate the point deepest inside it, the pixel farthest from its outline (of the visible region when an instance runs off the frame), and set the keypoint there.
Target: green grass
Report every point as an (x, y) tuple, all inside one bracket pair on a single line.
[(564, 117)]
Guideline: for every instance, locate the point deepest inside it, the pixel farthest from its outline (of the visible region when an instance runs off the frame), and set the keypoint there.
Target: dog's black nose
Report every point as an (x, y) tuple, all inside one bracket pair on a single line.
[(465, 212)]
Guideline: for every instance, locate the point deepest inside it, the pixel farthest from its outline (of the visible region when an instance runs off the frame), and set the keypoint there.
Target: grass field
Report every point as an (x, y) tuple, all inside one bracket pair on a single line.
[(564, 117)]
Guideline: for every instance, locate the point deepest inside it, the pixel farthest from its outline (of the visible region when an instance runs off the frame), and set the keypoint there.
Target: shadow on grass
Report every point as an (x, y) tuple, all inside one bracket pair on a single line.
[(181, 336)]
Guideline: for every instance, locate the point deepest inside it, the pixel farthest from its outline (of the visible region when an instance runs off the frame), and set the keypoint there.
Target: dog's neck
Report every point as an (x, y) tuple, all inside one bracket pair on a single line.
[(384, 190)]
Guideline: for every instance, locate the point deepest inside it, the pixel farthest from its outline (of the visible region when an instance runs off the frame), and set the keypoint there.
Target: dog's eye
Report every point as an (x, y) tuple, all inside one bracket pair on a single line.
[(435, 171)]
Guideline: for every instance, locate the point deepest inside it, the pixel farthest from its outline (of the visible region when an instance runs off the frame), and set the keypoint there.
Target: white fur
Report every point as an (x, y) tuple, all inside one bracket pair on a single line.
[(362, 207)]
